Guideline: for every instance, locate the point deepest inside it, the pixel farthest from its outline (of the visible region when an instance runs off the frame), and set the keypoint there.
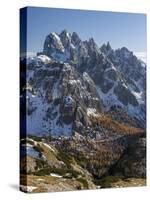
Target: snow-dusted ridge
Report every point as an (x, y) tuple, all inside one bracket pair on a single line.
[(73, 79)]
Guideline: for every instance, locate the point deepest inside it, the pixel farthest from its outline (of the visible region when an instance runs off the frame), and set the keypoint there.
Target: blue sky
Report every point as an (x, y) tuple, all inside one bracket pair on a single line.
[(120, 29)]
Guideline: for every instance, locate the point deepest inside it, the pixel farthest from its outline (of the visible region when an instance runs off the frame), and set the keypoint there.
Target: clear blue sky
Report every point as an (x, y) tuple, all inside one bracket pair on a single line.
[(120, 29)]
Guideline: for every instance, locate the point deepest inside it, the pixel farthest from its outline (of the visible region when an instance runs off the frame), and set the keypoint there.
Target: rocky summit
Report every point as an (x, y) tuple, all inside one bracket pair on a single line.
[(85, 105)]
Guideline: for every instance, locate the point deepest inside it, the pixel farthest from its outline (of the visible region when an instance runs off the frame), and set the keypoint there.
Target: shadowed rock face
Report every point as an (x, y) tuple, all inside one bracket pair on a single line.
[(112, 75), (65, 38), (133, 162), (75, 39), (125, 96), (58, 98)]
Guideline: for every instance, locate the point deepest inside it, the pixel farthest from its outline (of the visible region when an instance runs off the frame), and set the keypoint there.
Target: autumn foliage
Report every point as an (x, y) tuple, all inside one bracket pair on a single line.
[(114, 126)]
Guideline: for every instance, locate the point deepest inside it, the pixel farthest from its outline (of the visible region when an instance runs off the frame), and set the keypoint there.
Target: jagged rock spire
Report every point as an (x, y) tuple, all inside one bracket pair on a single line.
[(108, 46), (52, 43), (65, 38), (75, 39)]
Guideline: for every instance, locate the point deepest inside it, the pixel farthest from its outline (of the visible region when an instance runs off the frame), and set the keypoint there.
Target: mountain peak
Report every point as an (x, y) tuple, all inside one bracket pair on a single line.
[(65, 38), (75, 39), (53, 43), (124, 53), (54, 35), (65, 33), (108, 46), (91, 40), (125, 49), (92, 44)]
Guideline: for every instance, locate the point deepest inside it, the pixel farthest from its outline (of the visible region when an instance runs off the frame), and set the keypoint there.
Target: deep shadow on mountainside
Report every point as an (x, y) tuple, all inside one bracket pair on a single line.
[(85, 116)]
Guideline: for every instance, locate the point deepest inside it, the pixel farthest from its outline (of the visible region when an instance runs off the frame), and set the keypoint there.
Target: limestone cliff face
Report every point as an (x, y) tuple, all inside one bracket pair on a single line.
[(58, 98), (120, 78)]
